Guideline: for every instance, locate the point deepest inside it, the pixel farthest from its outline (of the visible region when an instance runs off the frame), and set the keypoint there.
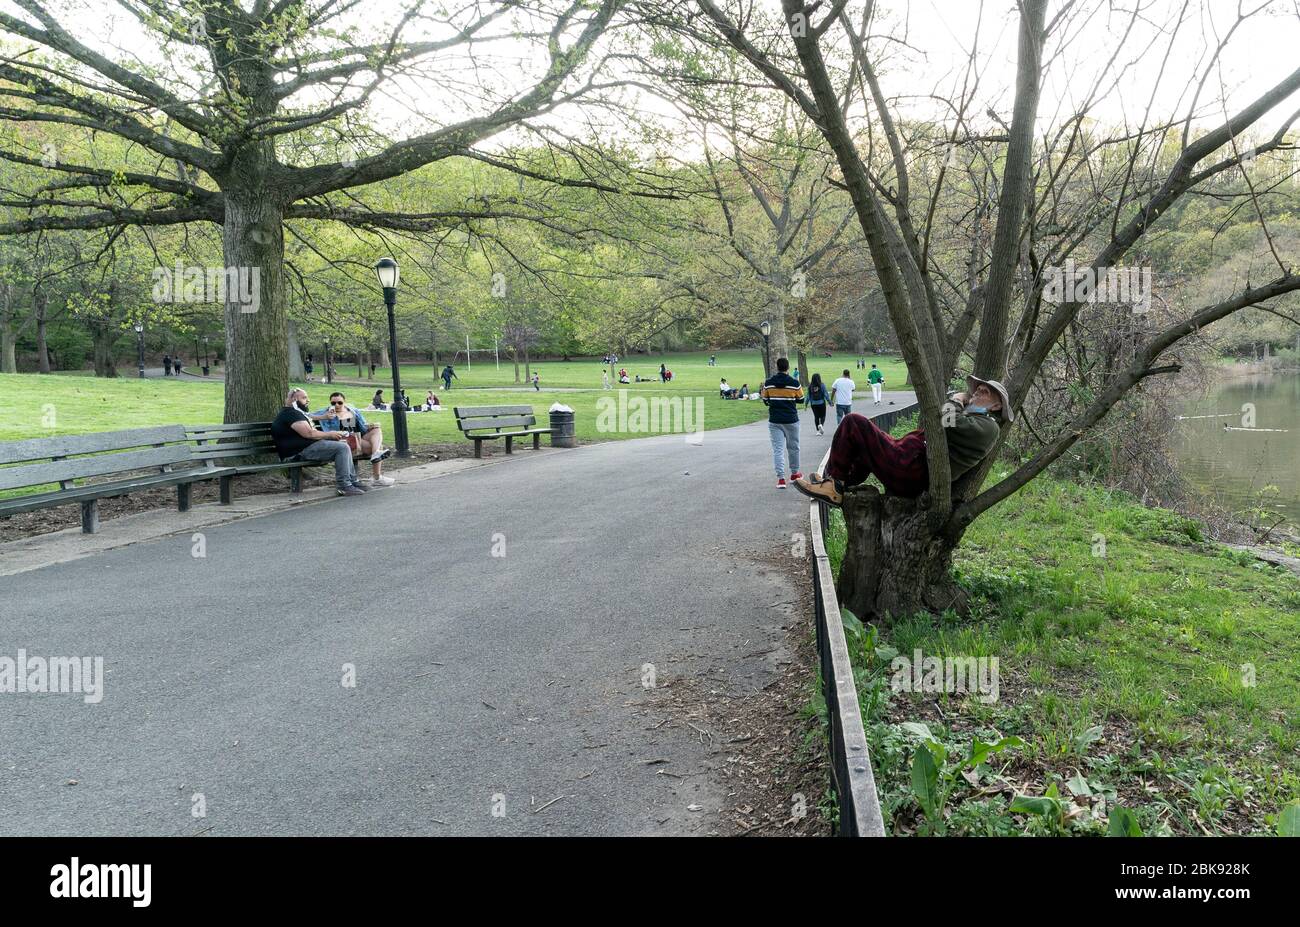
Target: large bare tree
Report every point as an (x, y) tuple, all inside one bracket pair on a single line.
[(825, 56)]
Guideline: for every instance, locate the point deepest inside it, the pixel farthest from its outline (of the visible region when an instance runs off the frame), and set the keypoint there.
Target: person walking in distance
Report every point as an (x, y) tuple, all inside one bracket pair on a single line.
[(782, 395), (817, 402), (877, 381), (842, 390)]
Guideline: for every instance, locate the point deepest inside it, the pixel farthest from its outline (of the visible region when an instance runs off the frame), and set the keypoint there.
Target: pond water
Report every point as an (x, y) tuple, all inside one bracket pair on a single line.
[(1235, 466)]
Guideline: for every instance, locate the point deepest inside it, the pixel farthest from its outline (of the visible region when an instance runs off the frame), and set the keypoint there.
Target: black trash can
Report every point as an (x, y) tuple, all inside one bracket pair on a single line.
[(562, 429)]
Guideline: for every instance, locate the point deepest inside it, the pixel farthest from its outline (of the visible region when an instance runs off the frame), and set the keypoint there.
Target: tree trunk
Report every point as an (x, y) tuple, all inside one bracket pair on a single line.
[(803, 366), (780, 343), (297, 372), (893, 565), (528, 366), (8, 349), (257, 349), (514, 356), (103, 336), (383, 354), (9, 336), (42, 348)]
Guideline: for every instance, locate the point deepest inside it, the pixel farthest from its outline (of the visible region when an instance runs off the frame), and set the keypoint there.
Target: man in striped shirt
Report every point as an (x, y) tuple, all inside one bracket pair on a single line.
[(782, 395)]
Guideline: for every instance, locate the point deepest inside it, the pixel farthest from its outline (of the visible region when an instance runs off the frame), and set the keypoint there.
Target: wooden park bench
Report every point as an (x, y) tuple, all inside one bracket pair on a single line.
[(117, 455), (221, 447), (488, 423)]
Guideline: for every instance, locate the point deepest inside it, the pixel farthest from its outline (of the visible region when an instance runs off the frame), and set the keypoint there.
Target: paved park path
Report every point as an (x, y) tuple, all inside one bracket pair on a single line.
[(482, 682)]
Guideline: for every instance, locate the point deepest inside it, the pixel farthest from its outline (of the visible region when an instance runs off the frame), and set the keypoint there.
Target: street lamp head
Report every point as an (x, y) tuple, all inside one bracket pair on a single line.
[(765, 327), (139, 327), (387, 271)]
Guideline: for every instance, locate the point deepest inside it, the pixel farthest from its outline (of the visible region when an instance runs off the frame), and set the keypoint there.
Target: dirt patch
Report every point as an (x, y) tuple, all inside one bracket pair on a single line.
[(767, 753), (43, 521)]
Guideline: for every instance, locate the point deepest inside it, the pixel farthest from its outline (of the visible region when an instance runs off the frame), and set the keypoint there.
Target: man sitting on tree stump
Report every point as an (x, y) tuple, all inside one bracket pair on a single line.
[(860, 449)]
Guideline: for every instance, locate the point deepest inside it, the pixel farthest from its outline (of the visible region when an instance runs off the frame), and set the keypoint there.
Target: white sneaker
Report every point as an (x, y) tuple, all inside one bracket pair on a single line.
[(382, 481)]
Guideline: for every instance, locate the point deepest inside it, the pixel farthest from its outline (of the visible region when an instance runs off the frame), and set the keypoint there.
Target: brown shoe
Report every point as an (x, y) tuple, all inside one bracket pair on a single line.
[(820, 488)]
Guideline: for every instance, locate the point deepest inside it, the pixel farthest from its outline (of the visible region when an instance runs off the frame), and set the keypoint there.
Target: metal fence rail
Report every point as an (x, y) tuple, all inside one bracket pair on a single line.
[(855, 784)]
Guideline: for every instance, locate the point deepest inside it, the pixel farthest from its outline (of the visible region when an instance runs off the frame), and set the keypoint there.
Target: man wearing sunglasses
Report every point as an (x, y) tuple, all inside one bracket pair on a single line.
[(369, 438), (296, 439)]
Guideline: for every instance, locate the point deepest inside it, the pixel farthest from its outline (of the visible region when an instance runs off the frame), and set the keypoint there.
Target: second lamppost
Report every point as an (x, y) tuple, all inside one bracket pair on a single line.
[(387, 272), (139, 337), (766, 328)]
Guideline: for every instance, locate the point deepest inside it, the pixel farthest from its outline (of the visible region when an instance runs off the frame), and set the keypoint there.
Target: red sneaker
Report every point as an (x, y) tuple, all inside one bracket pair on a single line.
[(795, 476), (780, 483)]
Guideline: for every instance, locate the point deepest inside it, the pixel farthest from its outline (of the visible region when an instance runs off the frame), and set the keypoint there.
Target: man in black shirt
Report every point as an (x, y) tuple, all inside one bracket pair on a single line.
[(296, 439)]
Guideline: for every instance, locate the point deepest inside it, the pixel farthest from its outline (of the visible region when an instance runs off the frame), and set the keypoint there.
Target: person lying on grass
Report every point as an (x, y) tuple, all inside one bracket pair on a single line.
[(861, 449)]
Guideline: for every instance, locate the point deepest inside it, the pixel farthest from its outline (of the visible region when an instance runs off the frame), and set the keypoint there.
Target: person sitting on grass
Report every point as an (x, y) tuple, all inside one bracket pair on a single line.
[(726, 390), (861, 449), (377, 401), (296, 439), (370, 437), (431, 401)]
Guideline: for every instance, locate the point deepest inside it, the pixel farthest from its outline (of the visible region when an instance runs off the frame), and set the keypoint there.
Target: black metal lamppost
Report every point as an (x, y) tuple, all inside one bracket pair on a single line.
[(329, 366), (139, 337), (766, 328), (388, 273)]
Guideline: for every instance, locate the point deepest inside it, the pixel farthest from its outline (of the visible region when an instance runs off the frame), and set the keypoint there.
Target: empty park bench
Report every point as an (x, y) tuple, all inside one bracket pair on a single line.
[(118, 455), (488, 423), (221, 447)]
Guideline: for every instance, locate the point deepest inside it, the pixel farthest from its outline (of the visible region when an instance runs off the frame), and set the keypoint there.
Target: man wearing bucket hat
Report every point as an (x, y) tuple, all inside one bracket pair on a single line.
[(861, 449)]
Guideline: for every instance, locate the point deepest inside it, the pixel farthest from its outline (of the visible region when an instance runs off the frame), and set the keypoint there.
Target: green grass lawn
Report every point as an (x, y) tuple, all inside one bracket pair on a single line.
[(1161, 675), (42, 406)]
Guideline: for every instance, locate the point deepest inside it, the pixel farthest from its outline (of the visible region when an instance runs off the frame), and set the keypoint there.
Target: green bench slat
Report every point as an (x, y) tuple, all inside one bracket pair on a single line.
[(12, 452), (478, 411), (493, 435), (512, 421), (219, 451), (31, 503), (99, 465)]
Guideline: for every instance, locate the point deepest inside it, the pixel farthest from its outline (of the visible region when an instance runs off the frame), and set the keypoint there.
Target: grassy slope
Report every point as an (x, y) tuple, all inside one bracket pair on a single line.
[(1123, 674)]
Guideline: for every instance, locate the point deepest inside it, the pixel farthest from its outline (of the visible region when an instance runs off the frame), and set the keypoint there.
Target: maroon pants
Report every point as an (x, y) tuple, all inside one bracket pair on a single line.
[(860, 449)]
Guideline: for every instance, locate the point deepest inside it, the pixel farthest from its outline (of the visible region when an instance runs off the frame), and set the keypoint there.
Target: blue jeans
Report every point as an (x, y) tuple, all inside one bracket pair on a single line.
[(840, 412), (337, 451), (785, 439)]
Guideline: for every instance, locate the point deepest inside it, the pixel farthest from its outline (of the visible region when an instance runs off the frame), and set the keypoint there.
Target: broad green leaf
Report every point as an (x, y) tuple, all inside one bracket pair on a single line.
[(917, 729), (1078, 785), (1123, 823), (925, 782), (1047, 806), (1288, 822)]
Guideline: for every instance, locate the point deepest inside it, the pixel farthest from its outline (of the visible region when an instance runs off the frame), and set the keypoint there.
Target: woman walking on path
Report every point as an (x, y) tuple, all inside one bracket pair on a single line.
[(817, 401)]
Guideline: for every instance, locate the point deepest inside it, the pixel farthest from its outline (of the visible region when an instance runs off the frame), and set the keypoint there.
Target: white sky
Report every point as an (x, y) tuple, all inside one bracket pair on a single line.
[(938, 35)]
